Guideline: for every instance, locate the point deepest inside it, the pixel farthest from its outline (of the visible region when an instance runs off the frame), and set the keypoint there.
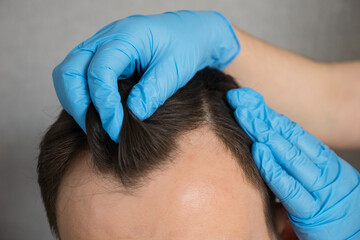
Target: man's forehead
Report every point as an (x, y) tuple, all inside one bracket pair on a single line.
[(203, 191)]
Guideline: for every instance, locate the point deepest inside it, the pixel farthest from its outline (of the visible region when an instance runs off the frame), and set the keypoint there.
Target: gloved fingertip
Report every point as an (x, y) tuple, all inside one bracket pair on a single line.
[(233, 97), (243, 97), (266, 163), (244, 119), (112, 121), (114, 135), (136, 104), (114, 131), (243, 116), (251, 97), (82, 124), (260, 152)]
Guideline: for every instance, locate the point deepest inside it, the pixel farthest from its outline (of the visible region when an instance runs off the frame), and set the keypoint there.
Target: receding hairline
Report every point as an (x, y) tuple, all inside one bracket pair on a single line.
[(82, 164), (65, 136), (84, 158)]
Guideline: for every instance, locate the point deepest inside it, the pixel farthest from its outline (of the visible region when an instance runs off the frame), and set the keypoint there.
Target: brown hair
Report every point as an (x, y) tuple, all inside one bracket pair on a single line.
[(147, 145)]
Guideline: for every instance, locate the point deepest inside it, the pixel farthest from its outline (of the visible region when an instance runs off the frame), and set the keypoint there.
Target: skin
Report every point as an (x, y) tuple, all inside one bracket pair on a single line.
[(202, 195), (321, 97)]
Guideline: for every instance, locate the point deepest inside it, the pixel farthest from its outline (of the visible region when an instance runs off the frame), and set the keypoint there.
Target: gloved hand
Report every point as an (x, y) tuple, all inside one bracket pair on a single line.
[(168, 49), (320, 191)]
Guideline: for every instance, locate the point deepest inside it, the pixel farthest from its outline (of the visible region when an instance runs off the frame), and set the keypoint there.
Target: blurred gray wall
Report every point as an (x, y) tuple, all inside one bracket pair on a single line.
[(35, 35)]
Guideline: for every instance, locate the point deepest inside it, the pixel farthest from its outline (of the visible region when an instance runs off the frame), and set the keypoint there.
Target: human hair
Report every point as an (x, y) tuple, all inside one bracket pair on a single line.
[(146, 146)]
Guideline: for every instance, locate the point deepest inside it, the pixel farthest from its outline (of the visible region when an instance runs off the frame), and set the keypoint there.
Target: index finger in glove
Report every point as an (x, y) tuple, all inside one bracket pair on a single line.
[(297, 200), (288, 155), (254, 101), (112, 60), (71, 85)]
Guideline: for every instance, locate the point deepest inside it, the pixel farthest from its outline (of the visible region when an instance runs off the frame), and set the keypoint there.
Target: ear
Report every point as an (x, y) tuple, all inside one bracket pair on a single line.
[(283, 224)]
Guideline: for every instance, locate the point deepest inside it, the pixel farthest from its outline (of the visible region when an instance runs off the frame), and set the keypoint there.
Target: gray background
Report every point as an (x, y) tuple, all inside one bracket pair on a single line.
[(35, 35)]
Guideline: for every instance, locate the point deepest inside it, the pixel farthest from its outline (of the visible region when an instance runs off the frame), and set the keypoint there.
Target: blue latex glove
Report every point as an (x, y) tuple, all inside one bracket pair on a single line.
[(168, 49), (320, 191)]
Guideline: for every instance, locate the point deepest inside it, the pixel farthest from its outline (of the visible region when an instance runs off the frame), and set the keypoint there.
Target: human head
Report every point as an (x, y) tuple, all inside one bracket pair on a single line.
[(191, 142)]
